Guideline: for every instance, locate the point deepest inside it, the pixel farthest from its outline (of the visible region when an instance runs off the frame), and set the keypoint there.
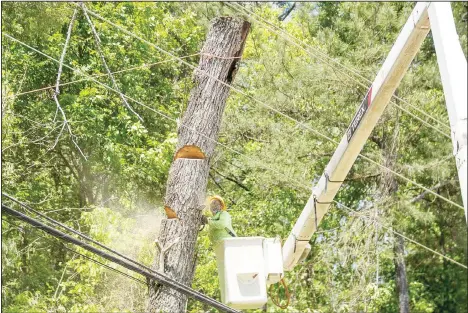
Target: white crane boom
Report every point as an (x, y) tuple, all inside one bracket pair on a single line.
[(453, 71), (371, 109)]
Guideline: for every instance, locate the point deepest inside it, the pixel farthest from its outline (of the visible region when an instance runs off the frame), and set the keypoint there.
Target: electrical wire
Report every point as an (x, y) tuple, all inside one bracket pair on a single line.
[(401, 235), (238, 91), (80, 254), (51, 220), (161, 278), (301, 44), (143, 66), (302, 186)]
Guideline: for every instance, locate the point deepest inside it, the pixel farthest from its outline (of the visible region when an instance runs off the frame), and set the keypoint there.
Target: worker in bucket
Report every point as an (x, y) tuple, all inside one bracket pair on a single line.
[(218, 220)]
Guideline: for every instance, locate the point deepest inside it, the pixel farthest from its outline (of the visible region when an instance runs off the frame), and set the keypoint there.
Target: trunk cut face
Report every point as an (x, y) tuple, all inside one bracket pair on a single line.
[(188, 175)]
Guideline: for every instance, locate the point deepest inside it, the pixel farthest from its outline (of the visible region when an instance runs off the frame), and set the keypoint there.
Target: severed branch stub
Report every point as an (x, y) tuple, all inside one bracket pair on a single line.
[(162, 252)]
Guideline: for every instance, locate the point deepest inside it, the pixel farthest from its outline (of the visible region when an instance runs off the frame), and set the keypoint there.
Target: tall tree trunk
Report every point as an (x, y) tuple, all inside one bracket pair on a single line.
[(389, 186), (400, 273), (188, 175)]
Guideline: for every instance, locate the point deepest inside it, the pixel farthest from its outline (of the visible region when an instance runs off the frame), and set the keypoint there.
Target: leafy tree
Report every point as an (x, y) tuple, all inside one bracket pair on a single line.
[(115, 194)]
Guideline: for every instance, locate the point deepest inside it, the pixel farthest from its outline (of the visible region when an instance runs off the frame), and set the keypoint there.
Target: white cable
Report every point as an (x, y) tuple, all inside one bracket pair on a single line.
[(301, 45), (137, 101), (402, 236), (268, 106), (103, 59), (168, 117)]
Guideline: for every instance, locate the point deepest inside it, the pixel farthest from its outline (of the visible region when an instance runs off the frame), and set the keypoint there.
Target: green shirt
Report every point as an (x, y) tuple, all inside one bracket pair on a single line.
[(219, 227)]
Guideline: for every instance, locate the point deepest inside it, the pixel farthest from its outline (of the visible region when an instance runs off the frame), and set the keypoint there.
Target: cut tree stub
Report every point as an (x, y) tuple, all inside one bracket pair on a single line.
[(170, 212), (190, 152)]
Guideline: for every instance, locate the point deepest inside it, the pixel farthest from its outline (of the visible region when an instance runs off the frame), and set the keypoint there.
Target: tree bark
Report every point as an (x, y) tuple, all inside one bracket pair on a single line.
[(389, 185), (188, 175), (400, 273)]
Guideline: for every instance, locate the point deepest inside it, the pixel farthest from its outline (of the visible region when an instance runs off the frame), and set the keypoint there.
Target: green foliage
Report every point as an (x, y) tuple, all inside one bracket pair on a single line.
[(116, 194)]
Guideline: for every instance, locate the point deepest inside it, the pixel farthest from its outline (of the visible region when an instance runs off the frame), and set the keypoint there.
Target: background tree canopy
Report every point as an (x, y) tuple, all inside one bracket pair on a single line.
[(116, 194)]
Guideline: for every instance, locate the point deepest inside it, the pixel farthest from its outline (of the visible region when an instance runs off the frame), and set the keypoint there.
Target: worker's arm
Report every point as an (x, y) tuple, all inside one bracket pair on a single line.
[(220, 221)]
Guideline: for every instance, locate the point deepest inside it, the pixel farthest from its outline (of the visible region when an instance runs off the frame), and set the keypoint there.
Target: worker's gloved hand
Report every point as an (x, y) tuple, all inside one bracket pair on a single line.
[(204, 220)]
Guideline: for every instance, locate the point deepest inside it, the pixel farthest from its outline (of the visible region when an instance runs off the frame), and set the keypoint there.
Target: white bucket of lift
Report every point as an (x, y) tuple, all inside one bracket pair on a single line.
[(272, 255), (241, 270)]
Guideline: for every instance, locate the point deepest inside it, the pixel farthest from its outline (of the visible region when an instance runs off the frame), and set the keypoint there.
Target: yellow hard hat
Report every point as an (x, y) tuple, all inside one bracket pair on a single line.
[(223, 205)]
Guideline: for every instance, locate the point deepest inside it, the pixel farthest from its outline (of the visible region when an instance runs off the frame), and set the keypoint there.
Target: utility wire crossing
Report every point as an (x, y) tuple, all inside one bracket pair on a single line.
[(28, 208), (234, 89), (238, 91), (324, 57), (267, 106), (163, 279), (339, 204), (231, 149), (82, 255)]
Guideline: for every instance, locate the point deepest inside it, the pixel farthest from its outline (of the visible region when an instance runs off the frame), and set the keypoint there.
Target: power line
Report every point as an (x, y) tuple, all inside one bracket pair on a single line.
[(302, 186), (51, 220), (254, 99), (82, 255), (299, 43), (103, 74), (161, 278), (80, 234), (402, 236), (244, 94), (191, 128), (356, 213), (338, 203)]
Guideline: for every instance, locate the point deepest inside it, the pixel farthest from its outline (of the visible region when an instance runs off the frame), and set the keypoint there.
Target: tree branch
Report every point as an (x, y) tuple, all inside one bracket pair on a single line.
[(222, 189), (64, 51), (232, 180), (67, 164), (57, 91), (65, 122), (422, 195), (101, 54)]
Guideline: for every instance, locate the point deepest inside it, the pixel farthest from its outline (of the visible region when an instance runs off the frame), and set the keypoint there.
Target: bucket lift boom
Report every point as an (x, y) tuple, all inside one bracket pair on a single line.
[(371, 109)]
